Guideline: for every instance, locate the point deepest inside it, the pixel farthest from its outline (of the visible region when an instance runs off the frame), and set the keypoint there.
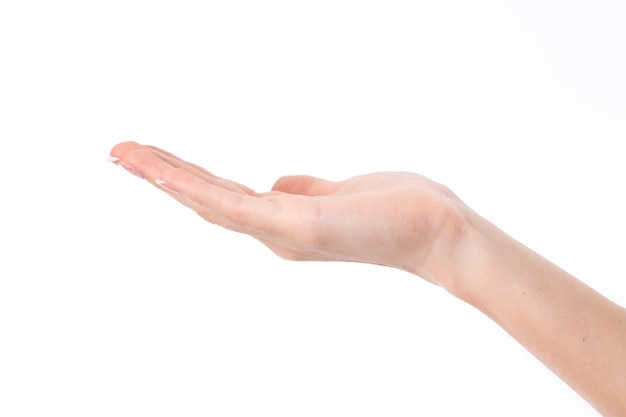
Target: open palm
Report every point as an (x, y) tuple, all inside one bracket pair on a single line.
[(398, 219)]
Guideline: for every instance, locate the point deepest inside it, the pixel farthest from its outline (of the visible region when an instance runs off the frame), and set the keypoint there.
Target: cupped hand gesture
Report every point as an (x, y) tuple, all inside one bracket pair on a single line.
[(397, 219), (409, 222)]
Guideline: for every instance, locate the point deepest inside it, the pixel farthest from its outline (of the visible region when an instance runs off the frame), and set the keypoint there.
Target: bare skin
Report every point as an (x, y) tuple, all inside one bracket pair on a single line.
[(409, 222)]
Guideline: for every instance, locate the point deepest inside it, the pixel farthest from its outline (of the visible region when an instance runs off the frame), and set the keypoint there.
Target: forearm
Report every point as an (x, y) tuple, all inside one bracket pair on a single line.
[(572, 329)]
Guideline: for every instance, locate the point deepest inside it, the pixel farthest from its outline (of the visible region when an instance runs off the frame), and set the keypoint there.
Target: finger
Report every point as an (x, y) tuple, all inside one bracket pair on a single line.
[(287, 220), (145, 164), (123, 147), (284, 219), (143, 161), (228, 208), (305, 185), (173, 158), (200, 172)]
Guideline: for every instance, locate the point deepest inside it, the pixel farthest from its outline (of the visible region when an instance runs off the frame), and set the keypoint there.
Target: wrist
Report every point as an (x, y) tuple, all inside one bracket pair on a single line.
[(478, 251)]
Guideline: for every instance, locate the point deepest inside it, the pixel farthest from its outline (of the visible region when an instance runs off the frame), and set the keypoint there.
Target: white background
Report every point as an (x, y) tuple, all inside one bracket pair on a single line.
[(114, 300)]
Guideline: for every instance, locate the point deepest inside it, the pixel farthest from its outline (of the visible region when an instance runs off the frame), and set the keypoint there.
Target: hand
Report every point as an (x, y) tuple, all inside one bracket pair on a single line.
[(406, 221), (397, 219)]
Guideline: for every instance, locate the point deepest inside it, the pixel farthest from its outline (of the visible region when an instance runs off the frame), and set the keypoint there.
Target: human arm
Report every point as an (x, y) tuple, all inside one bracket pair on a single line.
[(575, 331), (409, 222)]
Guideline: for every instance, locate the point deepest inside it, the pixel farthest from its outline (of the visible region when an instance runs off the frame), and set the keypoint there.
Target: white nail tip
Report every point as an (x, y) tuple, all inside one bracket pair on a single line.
[(112, 159), (165, 186)]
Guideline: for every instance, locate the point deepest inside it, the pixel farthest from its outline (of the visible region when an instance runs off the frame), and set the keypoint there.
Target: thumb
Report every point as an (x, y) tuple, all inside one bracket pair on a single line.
[(304, 185)]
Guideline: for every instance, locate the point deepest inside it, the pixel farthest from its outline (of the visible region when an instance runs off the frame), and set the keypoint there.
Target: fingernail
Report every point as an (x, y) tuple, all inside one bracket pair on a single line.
[(127, 167), (166, 186)]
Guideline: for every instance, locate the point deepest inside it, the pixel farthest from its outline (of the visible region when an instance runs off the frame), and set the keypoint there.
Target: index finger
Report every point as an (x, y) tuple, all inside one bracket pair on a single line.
[(233, 210)]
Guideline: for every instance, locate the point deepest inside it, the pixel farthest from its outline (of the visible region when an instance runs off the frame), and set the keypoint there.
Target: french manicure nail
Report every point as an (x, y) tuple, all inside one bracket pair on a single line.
[(127, 167), (166, 186)]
